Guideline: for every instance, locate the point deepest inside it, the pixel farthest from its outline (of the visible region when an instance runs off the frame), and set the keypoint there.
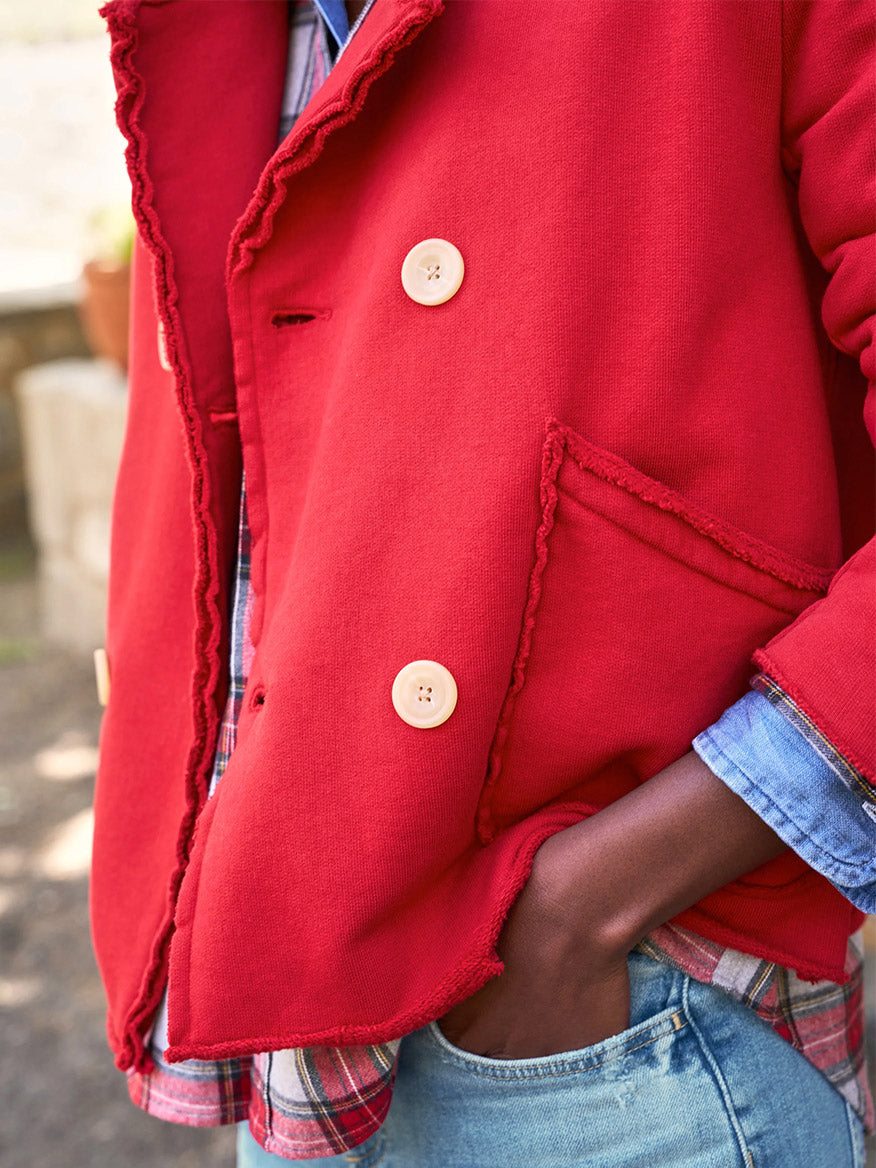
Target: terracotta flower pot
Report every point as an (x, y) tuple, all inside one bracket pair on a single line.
[(104, 309)]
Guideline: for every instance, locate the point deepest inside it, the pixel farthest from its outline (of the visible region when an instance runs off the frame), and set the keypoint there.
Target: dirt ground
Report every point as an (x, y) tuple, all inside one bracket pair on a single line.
[(62, 1102), (64, 1105)]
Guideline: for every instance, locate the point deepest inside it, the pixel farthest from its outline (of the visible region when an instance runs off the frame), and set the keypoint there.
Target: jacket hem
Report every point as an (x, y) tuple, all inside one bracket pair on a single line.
[(482, 963), (807, 970)]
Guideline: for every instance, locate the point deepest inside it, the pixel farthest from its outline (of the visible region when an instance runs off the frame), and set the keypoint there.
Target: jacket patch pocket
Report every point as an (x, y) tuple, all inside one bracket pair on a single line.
[(641, 616)]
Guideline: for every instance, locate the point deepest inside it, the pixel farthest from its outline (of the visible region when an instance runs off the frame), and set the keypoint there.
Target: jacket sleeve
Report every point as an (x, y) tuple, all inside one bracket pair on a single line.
[(767, 751), (825, 661)]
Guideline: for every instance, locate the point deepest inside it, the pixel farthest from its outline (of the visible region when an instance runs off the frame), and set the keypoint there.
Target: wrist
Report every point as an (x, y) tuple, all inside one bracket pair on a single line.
[(576, 903), (612, 878)]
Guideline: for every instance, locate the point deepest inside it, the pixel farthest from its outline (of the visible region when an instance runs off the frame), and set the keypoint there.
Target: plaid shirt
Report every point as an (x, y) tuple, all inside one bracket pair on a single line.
[(320, 1101)]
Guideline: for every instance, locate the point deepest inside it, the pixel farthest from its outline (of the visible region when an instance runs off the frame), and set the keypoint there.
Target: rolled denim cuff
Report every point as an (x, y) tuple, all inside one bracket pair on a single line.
[(767, 751)]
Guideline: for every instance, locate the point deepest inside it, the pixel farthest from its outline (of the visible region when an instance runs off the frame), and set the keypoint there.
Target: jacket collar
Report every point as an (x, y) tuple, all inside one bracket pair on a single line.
[(200, 88)]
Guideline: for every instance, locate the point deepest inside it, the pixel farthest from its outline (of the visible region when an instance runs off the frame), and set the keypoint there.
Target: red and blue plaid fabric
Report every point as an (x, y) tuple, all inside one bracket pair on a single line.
[(320, 1101), (241, 649)]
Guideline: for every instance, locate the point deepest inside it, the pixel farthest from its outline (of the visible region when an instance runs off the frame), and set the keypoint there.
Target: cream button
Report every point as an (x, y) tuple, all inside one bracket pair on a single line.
[(102, 677), (163, 359), (432, 271), (424, 694)]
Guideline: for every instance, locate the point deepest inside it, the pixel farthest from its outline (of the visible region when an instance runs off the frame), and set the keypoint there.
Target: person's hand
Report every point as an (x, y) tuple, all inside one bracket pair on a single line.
[(561, 988), (595, 890)]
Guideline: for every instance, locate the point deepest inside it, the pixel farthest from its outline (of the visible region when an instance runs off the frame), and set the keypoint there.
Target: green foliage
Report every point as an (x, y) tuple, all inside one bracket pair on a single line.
[(111, 231)]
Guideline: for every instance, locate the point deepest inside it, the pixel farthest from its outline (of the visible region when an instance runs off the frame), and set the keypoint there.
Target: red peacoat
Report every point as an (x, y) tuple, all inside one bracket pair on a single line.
[(615, 470)]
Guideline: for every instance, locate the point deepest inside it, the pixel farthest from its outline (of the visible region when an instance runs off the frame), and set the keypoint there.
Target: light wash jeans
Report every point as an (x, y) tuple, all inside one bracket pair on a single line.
[(697, 1081)]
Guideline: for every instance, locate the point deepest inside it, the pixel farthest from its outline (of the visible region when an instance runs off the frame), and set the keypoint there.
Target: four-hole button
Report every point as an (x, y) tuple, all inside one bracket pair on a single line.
[(432, 271), (424, 694)]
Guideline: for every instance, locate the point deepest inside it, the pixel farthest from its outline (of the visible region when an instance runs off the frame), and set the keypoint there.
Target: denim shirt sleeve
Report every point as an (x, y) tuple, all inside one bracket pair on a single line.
[(773, 756)]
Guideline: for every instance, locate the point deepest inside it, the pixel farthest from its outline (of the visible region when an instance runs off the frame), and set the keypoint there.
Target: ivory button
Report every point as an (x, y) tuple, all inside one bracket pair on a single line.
[(102, 677), (424, 694), (432, 271)]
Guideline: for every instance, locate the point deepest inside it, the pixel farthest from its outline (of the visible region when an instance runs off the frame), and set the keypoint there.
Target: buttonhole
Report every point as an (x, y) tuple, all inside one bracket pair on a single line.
[(258, 697), (299, 316)]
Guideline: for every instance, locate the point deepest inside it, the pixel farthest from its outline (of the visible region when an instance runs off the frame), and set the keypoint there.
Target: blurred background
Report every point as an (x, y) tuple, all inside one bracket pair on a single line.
[(65, 238)]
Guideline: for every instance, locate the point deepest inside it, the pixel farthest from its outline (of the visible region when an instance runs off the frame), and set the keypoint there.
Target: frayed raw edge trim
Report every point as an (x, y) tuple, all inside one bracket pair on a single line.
[(300, 151), (552, 456), (303, 148), (120, 16), (738, 543), (560, 439), (473, 972), (762, 659), (256, 229), (714, 931)]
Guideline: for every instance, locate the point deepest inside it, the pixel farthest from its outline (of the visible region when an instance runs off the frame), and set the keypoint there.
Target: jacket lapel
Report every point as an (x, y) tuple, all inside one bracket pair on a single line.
[(200, 90), (388, 26)]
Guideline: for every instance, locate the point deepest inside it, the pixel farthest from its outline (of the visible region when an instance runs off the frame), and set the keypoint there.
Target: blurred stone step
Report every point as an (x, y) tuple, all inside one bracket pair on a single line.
[(72, 415)]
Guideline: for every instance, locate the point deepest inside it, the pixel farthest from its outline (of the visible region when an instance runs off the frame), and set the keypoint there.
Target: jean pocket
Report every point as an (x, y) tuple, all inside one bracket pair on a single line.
[(656, 1014)]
